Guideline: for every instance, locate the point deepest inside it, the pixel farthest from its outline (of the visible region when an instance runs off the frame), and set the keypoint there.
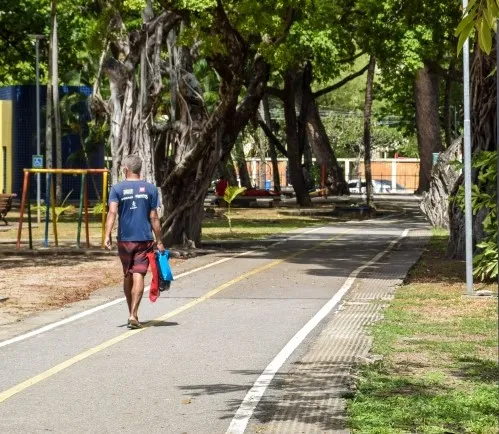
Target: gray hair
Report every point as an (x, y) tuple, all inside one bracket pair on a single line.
[(133, 163)]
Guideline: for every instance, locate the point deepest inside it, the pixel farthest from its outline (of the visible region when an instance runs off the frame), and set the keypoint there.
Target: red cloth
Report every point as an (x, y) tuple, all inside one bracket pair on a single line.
[(221, 186), (154, 289), (259, 192), (256, 192)]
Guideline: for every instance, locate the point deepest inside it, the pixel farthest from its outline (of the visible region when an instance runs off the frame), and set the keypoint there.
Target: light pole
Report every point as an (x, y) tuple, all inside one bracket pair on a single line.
[(467, 166), (497, 136), (38, 150)]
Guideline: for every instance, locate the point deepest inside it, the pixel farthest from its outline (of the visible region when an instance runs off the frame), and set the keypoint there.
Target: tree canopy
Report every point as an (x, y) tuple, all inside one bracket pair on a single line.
[(178, 81)]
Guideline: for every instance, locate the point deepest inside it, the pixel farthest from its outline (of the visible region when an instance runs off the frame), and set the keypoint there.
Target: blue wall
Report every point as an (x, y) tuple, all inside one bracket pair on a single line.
[(24, 138)]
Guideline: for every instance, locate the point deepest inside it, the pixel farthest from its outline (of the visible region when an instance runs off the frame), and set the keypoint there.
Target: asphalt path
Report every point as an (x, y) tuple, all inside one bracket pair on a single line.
[(205, 343)]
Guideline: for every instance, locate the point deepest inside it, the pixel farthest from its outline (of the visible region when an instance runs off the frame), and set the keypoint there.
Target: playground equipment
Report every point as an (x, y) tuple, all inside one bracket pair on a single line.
[(49, 202)]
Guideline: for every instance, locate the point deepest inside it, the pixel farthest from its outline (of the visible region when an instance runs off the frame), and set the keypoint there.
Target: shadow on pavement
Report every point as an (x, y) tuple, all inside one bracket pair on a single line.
[(303, 395), (154, 323)]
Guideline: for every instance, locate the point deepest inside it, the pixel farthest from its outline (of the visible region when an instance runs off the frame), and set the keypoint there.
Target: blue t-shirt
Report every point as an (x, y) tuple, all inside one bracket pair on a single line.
[(135, 201)]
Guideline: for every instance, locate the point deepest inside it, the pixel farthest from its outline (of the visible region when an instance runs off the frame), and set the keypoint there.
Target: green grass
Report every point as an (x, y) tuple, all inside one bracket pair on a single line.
[(67, 227), (388, 403), (439, 371), (247, 224), (255, 224)]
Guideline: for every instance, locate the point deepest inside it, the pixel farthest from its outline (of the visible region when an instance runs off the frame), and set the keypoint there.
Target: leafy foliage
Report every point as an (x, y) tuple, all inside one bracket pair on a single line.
[(59, 210), (98, 209), (19, 19), (231, 192), (345, 132), (480, 15), (484, 197), (404, 36)]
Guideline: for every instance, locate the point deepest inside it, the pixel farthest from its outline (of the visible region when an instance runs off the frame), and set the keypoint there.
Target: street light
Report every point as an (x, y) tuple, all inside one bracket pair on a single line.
[(497, 137), (38, 150), (467, 165)]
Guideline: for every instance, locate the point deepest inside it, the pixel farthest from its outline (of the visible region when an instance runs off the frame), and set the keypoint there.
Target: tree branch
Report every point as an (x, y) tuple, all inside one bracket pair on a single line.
[(224, 20), (271, 136), (274, 91), (341, 82), (205, 137), (256, 89), (161, 127), (290, 18), (115, 70), (354, 57)]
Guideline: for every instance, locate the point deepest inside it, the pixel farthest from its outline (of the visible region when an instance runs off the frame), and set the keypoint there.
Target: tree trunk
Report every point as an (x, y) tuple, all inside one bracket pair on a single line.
[(227, 170), (447, 103), (319, 140), (185, 184), (321, 147), (304, 99), (180, 154), (367, 128), (307, 167), (272, 150), (426, 95), (261, 151), (56, 106), (196, 154), (49, 139), (483, 125), (435, 203), (456, 248), (292, 139), (242, 166)]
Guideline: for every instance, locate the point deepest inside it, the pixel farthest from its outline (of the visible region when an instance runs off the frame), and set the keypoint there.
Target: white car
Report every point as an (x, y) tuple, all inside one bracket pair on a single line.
[(379, 186)]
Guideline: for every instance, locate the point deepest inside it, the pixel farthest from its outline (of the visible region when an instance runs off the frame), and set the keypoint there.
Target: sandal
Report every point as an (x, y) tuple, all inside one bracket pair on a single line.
[(134, 324)]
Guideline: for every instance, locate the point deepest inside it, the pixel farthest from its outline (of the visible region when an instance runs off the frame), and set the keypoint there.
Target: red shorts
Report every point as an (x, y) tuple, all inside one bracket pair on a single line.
[(133, 255)]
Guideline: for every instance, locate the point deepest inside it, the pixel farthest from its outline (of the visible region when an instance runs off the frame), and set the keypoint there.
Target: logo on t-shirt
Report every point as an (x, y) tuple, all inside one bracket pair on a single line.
[(134, 206), (128, 191), (142, 190)]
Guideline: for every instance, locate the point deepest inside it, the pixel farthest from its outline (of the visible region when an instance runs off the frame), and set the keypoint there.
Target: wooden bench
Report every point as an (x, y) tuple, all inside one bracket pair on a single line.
[(5, 205)]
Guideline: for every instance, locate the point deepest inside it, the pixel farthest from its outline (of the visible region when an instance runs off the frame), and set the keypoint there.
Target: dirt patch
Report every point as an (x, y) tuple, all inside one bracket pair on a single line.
[(31, 284), (444, 310)]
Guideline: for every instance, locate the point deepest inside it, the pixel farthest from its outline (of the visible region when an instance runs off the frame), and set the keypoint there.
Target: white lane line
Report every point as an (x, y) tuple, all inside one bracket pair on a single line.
[(252, 398), (106, 305), (297, 236), (91, 311)]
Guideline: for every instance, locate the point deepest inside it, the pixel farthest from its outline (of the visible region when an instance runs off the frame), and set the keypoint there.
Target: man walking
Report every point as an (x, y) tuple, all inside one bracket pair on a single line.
[(135, 201)]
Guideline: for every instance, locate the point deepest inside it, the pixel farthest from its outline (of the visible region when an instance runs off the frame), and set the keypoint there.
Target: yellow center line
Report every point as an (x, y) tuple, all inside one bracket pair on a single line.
[(90, 352)]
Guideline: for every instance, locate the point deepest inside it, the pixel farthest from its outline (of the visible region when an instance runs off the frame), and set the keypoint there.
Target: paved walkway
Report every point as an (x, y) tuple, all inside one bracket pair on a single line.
[(259, 341)]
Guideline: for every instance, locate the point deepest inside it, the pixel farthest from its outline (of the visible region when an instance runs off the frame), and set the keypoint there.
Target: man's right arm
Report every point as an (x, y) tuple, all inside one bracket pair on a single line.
[(111, 218)]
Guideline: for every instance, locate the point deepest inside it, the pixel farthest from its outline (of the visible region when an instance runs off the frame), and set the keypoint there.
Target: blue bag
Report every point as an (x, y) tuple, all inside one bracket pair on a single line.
[(164, 270)]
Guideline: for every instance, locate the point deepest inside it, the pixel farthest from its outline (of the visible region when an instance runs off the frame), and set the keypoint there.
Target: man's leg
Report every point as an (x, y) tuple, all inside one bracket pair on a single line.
[(125, 251), (137, 292), (127, 289)]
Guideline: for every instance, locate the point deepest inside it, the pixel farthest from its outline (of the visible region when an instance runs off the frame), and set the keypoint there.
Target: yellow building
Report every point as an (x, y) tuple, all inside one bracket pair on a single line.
[(5, 146)]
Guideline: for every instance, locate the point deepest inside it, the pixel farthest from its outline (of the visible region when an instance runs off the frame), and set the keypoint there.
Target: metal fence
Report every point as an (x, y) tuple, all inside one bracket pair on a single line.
[(391, 175)]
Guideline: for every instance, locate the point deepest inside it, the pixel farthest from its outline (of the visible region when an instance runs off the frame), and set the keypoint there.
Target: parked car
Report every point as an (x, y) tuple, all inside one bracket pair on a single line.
[(380, 186)]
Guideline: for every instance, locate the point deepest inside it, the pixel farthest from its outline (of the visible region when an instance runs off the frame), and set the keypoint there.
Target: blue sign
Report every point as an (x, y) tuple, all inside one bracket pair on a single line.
[(37, 161)]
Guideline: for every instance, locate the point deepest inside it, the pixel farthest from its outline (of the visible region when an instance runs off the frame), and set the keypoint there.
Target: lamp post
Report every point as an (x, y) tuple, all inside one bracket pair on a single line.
[(497, 136), (37, 39), (467, 166)]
